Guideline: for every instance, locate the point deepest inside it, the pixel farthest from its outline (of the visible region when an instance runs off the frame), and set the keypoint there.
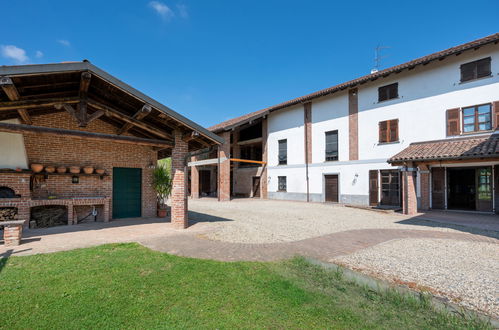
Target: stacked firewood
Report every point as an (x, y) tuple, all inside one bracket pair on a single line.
[(48, 216), (8, 213)]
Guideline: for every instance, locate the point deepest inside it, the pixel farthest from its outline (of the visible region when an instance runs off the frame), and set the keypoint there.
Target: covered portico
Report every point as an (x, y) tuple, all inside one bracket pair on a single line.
[(452, 174), (75, 115)]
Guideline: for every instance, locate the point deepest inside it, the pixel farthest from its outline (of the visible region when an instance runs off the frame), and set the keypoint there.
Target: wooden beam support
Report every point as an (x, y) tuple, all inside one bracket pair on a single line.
[(110, 112), (190, 136), (139, 115), (28, 129), (30, 104), (94, 116), (247, 161), (83, 94), (13, 94)]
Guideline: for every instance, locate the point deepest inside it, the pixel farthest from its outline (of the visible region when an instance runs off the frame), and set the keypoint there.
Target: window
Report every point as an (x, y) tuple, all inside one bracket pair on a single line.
[(475, 69), (388, 92), (283, 152), (331, 146), (389, 131), (281, 181), (477, 118)]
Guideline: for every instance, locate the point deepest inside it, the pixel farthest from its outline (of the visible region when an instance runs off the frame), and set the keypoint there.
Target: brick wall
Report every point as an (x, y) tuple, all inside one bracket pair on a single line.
[(243, 180), (179, 194), (409, 199), (57, 151)]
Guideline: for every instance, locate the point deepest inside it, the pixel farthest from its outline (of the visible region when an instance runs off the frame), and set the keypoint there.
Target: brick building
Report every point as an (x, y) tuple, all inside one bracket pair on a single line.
[(76, 115)]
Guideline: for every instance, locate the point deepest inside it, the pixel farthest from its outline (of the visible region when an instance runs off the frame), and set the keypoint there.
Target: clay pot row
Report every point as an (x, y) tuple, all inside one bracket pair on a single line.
[(37, 168)]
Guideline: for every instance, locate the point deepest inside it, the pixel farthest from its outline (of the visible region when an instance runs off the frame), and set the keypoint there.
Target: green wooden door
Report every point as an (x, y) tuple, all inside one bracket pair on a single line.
[(127, 192)]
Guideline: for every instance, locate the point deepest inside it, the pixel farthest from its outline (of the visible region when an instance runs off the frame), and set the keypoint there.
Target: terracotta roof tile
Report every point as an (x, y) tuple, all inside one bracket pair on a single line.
[(457, 148), (380, 74)]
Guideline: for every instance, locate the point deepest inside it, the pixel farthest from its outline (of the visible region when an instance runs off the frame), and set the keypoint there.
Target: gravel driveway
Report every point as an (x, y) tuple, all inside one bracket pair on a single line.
[(465, 272), (270, 221)]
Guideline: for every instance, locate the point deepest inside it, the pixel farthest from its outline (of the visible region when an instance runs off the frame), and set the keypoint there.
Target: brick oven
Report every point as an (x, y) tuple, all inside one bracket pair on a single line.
[(15, 195)]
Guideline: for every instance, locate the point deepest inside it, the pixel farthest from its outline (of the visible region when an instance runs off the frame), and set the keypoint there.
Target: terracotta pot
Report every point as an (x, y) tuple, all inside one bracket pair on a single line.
[(88, 170), (18, 169), (50, 169), (74, 169), (100, 171), (61, 169), (162, 213), (37, 168)]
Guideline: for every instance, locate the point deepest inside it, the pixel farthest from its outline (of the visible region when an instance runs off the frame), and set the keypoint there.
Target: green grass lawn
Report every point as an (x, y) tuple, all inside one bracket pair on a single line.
[(129, 286)]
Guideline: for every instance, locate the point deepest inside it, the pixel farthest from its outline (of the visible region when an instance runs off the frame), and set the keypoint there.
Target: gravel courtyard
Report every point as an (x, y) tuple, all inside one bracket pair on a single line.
[(464, 272), (270, 221)]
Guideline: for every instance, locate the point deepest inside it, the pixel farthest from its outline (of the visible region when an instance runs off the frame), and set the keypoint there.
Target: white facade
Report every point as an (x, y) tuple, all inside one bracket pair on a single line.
[(425, 93)]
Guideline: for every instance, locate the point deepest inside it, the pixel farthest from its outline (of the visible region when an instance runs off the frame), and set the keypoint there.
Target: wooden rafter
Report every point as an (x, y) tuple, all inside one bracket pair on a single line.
[(12, 93), (110, 112), (139, 115), (19, 128), (29, 104)]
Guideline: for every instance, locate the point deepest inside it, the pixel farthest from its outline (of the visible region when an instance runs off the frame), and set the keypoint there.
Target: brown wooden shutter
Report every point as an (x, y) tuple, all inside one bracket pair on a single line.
[(495, 114), (383, 131), (438, 188), (394, 130), (373, 187), (453, 124)]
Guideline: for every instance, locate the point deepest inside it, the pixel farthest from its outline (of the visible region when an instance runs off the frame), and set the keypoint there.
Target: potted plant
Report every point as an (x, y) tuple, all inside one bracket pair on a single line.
[(162, 183)]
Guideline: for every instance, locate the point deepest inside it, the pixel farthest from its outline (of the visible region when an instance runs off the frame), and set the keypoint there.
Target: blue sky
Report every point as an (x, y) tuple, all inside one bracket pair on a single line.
[(214, 60)]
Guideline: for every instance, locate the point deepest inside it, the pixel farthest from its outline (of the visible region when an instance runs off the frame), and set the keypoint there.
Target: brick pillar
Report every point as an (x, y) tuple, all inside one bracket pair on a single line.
[(179, 186), (263, 178), (409, 198), (424, 174), (12, 235), (194, 180), (224, 170)]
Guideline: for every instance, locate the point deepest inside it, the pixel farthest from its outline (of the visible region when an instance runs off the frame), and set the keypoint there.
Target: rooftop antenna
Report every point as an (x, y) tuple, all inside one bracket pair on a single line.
[(378, 58)]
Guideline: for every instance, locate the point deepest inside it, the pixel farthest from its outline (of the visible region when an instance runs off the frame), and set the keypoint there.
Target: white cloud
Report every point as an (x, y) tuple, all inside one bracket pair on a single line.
[(38, 54), (182, 11), (162, 10), (14, 53), (64, 42)]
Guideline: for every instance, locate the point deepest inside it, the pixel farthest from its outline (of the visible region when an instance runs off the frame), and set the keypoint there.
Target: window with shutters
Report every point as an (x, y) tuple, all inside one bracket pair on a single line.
[(388, 92), (281, 182), (283, 152), (477, 118), (389, 131), (331, 146), (476, 69)]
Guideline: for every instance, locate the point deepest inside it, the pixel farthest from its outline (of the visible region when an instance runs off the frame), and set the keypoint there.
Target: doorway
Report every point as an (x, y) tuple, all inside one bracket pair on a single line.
[(331, 188), (204, 182), (127, 192), (461, 188), (390, 187)]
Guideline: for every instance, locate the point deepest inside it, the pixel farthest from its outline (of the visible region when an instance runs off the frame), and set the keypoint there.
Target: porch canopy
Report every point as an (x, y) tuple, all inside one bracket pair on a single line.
[(472, 148), (420, 156), (88, 93)]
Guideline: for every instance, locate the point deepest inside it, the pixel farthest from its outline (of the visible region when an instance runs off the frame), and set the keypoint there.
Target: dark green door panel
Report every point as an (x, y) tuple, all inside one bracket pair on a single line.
[(127, 192)]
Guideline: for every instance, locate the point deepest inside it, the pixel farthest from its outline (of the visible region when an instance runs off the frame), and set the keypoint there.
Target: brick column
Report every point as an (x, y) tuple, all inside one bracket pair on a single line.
[(224, 170), (194, 180), (424, 174), (179, 200), (12, 235), (263, 178), (409, 198)]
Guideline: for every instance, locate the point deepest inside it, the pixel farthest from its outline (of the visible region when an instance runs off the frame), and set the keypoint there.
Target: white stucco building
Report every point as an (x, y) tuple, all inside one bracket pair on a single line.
[(360, 142)]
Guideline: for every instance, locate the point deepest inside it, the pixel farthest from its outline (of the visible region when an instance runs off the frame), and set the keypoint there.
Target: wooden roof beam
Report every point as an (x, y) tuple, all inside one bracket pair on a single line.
[(139, 115), (110, 112), (29, 104), (28, 129), (12, 93)]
